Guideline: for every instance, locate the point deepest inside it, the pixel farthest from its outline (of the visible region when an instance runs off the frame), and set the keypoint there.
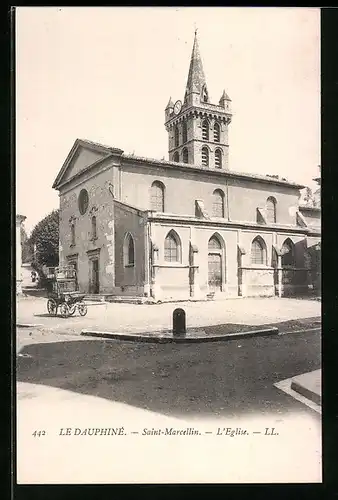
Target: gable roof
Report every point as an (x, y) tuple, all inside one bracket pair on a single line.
[(110, 151), (105, 152)]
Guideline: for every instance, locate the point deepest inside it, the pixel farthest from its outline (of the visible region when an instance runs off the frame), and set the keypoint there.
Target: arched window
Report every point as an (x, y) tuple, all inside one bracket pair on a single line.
[(184, 132), (214, 243), (258, 251), (218, 158), (176, 157), (288, 253), (177, 137), (157, 196), (218, 203), (128, 251), (172, 247), (72, 234), (94, 228), (205, 130), (205, 157), (217, 132), (271, 209), (185, 155)]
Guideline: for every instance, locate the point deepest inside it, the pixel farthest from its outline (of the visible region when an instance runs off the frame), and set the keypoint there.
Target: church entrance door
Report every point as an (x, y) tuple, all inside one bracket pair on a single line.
[(215, 272), (95, 276)]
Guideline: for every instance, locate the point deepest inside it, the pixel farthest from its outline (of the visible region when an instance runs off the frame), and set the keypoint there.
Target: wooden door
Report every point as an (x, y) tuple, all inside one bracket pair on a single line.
[(95, 276), (215, 272)]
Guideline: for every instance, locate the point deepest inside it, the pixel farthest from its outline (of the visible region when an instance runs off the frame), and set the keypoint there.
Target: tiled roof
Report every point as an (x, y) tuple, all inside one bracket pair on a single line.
[(171, 164)]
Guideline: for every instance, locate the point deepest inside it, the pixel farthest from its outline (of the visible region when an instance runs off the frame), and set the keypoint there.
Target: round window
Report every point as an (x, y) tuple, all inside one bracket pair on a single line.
[(83, 201)]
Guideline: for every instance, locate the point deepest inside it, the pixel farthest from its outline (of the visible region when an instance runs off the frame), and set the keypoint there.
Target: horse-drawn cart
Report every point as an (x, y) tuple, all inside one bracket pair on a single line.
[(63, 294)]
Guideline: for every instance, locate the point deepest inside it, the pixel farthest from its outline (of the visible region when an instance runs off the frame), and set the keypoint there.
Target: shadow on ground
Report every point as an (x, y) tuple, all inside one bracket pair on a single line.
[(210, 379)]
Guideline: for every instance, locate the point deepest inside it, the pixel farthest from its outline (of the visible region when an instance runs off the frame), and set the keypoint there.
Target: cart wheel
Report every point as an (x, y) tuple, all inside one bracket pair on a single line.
[(64, 310), (71, 310), (51, 307), (82, 307)]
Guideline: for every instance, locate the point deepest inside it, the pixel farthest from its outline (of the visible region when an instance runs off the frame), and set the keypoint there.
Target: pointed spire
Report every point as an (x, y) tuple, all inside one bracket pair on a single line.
[(225, 96), (196, 78), (170, 104)]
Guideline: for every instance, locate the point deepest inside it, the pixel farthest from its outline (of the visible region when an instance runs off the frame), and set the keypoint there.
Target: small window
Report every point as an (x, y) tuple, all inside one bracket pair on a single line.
[(205, 95), (271, 210), (218, 203), (129, 251), (205, 130), (94, 228), (218, 158), (172, 247), (176, 157), (157, 196), (177, 137), (184, 132), (205, 157), (83, 201), (185, 156), (258, 252), (217, 132), (72, 234)]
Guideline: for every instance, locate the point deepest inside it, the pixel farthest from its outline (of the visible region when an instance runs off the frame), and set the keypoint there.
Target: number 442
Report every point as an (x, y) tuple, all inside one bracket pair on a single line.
[(39, 433)]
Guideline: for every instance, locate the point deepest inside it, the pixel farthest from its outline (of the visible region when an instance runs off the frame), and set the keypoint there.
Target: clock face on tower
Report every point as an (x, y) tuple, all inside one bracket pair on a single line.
[(177, 107)]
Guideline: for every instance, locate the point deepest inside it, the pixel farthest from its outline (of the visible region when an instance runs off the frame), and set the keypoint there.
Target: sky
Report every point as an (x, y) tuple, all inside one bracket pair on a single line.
[(106, 74)]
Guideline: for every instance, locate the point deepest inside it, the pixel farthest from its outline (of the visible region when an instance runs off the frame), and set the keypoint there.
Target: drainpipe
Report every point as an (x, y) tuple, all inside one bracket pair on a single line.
[(279, 274), (227, 196), (147, 258)]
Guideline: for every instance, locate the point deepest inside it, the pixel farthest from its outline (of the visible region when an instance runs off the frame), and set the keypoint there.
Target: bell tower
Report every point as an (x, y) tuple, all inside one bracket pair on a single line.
[(197, 129)]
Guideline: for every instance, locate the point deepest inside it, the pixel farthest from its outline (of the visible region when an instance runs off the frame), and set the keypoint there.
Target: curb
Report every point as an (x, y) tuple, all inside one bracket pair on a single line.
[(306, 393), (28, 325), (312, 329), (180, 340)]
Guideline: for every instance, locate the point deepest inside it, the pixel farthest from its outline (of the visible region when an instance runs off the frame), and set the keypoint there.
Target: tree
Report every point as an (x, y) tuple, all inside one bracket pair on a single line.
[(308, 199), (27, 250), (45, 239)]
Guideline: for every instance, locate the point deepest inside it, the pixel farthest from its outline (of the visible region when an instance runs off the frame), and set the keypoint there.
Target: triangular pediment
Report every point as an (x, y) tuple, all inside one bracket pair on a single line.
[(83, 155)]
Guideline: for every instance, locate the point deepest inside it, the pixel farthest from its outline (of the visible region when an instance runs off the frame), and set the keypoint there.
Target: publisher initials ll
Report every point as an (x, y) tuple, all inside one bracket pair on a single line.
[(270, 431)]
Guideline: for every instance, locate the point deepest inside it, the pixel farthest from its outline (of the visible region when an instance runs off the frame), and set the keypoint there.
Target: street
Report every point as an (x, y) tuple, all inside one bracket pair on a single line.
[(211, 379)]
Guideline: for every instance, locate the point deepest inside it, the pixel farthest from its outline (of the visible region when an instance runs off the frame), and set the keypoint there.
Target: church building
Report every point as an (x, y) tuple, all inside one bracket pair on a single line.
[(187, 228)]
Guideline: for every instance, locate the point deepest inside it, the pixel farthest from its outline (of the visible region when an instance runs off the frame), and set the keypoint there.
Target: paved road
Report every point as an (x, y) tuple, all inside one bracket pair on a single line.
[(82, 383), (212, 379)]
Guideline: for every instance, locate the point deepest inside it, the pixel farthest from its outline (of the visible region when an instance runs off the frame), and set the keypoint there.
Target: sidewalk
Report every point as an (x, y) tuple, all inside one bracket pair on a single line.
[(309, 386)]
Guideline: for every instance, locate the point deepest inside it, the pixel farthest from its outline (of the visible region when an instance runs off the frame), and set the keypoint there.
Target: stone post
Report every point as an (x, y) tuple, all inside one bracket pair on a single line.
[(19, 221), (179, 323)]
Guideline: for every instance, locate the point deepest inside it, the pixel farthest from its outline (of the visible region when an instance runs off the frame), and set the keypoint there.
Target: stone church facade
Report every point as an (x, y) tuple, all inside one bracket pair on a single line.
[(186, 228)]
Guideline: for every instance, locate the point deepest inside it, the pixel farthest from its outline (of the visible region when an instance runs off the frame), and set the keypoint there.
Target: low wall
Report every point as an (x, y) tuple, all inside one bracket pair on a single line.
[(257, 281)]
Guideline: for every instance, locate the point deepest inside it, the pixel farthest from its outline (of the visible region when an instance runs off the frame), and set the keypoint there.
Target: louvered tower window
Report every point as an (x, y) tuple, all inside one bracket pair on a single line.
[(218, 158), (217, 132), (205, 157), (184, 132), (177, 137), (205, 130)]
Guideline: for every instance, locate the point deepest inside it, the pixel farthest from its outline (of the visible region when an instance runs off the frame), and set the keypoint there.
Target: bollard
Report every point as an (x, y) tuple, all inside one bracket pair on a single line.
[(179, 326)]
